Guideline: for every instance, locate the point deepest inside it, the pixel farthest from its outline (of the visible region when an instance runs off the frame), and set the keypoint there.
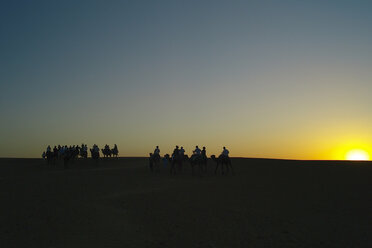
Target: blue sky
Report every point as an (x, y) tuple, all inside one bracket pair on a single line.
[(288, 79)]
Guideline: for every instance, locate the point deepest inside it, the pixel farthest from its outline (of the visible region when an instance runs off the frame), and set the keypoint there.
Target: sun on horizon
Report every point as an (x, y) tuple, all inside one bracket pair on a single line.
[(357, 155)]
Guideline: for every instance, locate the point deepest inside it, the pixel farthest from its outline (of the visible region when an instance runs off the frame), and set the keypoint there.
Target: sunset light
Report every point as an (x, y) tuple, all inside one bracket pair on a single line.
[(186, 123), (357, 154), (267, 79)]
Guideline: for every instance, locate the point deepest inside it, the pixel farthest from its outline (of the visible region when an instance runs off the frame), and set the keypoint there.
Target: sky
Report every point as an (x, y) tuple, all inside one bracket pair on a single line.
[(270, 79)]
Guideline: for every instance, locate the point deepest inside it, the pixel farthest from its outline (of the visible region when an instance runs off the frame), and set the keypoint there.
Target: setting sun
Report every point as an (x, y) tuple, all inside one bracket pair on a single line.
[(357, 154)]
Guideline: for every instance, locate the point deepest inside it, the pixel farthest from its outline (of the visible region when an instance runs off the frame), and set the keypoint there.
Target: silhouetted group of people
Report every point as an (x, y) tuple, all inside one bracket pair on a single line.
[(62, 151), (197, 159), (71, 152), (107, 152)]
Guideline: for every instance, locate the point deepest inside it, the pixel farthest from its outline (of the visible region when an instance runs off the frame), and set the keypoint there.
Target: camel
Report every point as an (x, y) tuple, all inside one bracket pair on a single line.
[(115, 152), (176, 160), (106, 153), (95, 155), (197, 160), (83, 153), (51, 157), (154, 162), (222, 160)]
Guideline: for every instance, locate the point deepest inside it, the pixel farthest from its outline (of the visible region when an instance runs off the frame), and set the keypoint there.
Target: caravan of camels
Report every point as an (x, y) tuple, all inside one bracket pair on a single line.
[(175, 162)]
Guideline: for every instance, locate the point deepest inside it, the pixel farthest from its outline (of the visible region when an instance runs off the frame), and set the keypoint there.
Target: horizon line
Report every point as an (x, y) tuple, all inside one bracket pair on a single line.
[(258, 158)]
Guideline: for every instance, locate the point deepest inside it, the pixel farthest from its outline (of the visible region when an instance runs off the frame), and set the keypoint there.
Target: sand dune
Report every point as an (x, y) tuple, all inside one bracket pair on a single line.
[(119, 203)]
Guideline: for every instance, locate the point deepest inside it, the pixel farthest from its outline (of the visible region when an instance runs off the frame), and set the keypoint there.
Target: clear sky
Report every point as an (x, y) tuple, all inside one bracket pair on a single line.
[(277, 79)]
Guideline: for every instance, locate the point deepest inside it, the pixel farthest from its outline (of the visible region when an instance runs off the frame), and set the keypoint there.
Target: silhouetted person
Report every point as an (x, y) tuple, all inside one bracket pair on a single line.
[(55, 150), (95, 152), (197, 151), (61, 151), (204, 159), (204, 152), (115, 151), (165, 160), (223, 160), (182, 151), (176, 160), (106, 151), (176, 152), (95, 148), (84, 151), (157, 151), (225, 152)]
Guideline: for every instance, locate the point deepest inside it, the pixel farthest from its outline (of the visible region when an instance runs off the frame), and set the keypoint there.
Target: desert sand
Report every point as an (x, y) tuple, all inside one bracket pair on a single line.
[(119, 203)]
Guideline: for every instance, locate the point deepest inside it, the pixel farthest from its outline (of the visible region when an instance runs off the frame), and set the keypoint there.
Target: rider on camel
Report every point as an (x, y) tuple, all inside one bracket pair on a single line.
[(157, 151), (182, 151), (176, 152), (204, 152), (225, 152), (197, 151), (95, 148)]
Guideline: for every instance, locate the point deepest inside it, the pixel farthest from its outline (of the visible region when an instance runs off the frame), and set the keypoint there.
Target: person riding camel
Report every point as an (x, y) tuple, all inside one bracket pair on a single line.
[(182, 152), (61, 151), (157, 151), (204, 152), (49, 149), (197, 151), (225, 152), (95, 148), (156, 154), (176, 152)]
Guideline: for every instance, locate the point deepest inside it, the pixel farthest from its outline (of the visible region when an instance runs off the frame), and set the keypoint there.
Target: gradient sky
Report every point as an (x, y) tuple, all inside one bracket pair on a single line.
[(277, 79)]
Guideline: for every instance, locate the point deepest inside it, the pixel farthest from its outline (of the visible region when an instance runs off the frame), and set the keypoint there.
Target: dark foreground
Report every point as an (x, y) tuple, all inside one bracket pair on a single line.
[(118, 203)]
